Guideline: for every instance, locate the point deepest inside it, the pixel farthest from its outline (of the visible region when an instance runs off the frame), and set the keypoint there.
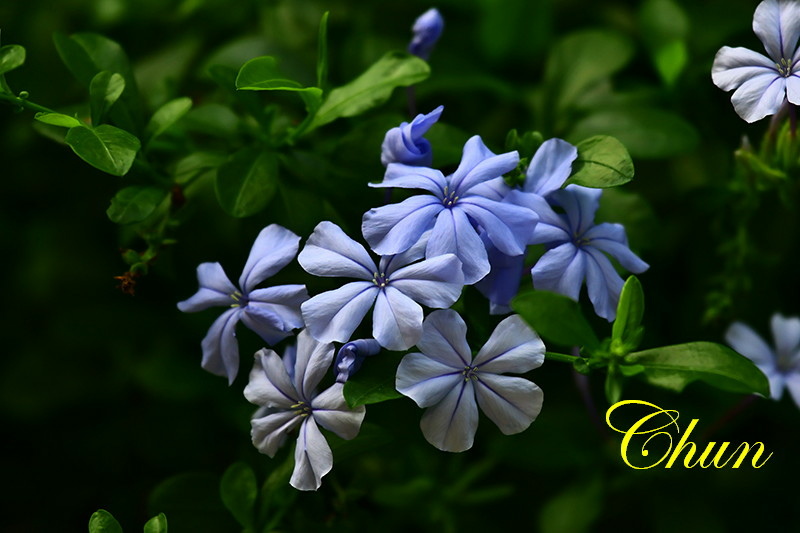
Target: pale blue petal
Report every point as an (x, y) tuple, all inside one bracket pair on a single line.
[(560, 270), (405, 144), (451, 424), (495, 189), (793, 89), (284, 301), (444, 339), (435, 282), (512, 347), (550, 167), (413, 177), (265, 322), (786, 332), (747, 342), (275, 247), (270, 384), (427, 30), (334, 315), (734, 66), (351, 356), (330, 252), (314, 358), (479, 164), (312, 457), (508, 226), (215, 289), (510, 402), (793, 384), (397, 320), (759, 96), (269, 432), (580, 205), (603, 283), (777, 24), (453, 234), (551, 226), (330, 411), (502, 282), (395, 228), (220, 348), (390, 263), (611, 239), (776, 382), (425, 380)]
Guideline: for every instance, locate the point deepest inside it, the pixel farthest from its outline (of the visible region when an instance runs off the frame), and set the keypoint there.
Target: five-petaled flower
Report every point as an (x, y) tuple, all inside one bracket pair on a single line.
[(447, 380), (457, 208), (272, 313), (781, 365), (397, 286), (763, 83), (427, 30), (286, 391), (405, 144)]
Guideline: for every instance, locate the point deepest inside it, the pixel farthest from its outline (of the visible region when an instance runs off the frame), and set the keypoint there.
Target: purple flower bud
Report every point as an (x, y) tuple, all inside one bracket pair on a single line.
[(352, 355), (406, 144), (427, 30)]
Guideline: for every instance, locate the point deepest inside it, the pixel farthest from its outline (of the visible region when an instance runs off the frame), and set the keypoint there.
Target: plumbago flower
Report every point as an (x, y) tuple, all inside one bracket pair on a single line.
[(286, 391), (351, 356), (763, 83), (272, 313), (395, 286), (782, 365), (549, 169), (447, 380), (457, 207), (427, 30), (576, 247), (406, 144)]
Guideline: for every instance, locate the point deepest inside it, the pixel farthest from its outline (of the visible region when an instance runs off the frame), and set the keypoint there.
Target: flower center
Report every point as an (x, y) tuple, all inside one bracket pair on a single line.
[(380, 279), (239, 300), (470, 373), (784, 67), (302, 408), (450, 197), (580, 241)]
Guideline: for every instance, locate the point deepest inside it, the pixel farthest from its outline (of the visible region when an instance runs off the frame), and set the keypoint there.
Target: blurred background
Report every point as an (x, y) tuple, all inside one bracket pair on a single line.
[(102, 398)]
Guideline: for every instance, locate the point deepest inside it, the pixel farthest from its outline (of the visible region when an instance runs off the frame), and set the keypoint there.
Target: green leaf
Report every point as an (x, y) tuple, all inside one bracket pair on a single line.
[(322, 51), (57, 119), (670, 60), (602, 162), (646, 132), (192, 502), (104, 90), (374, 382), (134, 204), (238, 490), (674, 367), (247, 181), (262, 74), (195, 165), (105, 147), (11, 57), (102, 522), (556, 318), (157, 524), (627, 329), (373, 87), (276, 495), (167, 115)]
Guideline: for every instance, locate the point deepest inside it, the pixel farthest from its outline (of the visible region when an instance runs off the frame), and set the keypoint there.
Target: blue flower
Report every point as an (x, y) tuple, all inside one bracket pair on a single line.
[(286, 391), (405, 144), (576, 247), (447, 380), (427, 30), (350, 357), (272, 312), (395, 286), (782, 365), (457, 207), (763, 83)]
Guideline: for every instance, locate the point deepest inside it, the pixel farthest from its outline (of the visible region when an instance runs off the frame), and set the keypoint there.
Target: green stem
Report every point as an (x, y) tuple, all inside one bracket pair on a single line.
[(24, 103), (564, 358)]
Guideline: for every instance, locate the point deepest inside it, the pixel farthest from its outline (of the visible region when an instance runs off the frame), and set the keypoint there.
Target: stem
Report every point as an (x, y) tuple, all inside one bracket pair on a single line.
[(792, 119), (563, 358), (24, 103), (411, 96)]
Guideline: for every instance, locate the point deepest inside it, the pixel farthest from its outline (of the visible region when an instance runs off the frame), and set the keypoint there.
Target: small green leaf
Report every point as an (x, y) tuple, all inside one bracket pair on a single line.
[(630, 311), (105, 147), (104, 90), (602, 162), (238, 490), (674, 367), (196, 164), (11, 57), (322, 51), (102, 522), (134, 204), (157, 524), (373, 87), (167, 115), (556, 318), (262, 74), (374, 382), (247, 181), (57, 119), (276, 496), (670, 60)]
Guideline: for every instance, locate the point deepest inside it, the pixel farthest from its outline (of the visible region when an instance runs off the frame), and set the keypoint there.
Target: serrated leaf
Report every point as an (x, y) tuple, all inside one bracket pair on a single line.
[(157, 524), (373, 383), (674, 367), (238, 490), (58, 119), (373, 87), (556, 318), (602, 162), (630, 311), (247, 181), (11, 56), (167, 115), (134, 204), (103, 522), (105, 147), (104, 90)]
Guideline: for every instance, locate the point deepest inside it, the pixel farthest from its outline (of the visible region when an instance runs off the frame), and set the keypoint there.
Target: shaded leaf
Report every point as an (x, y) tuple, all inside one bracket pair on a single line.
[(58, 119), (238, 490), (167, 115), (11, 56), (556, 318), (247, 181), (102, 522), (157, 524), (322, 51), (373, 383), (134, 204), (262, 74), (104, 90), (602, 162), (627, 328), (105, 147)]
